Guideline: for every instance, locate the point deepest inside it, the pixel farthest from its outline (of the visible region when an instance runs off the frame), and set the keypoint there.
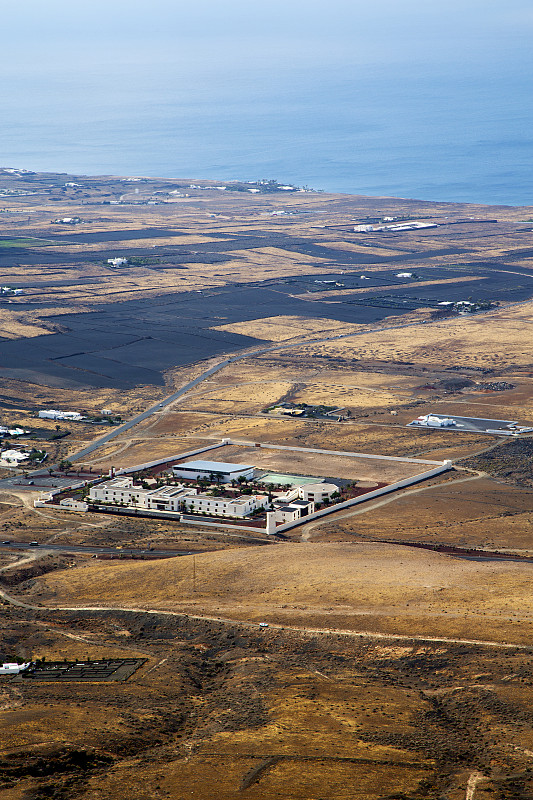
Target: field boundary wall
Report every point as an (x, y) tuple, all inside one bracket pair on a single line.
[(391, 487)]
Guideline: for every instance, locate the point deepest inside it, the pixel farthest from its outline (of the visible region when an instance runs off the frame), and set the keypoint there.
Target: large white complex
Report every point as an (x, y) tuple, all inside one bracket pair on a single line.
[(219, 470), (73, 416), (122, 492)]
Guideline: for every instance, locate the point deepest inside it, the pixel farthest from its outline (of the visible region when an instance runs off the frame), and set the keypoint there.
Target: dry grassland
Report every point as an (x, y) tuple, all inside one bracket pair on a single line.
[(368, 587), (478, 513), (284, 328), (319, 464), (468, 342), (174, 431), (245, 397)]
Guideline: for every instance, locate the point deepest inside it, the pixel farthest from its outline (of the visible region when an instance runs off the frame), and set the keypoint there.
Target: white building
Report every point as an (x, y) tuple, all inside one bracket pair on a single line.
[(72, 416), (317, 492), (12, 431), (118, 262), (69, 504), (432, 421), (12, 668), (122, 491), (225, 507), (293, 511), (207, 470), (11, 458), (168, 498)]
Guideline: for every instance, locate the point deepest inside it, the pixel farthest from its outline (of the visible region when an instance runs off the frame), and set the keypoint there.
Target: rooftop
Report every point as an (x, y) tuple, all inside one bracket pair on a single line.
[(213, 466)]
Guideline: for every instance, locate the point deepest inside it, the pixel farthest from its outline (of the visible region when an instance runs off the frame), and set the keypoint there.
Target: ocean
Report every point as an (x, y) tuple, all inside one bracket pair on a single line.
[(402, 101)]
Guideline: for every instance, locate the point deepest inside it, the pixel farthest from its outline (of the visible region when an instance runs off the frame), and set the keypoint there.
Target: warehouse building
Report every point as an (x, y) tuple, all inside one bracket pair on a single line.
[(213, 470)]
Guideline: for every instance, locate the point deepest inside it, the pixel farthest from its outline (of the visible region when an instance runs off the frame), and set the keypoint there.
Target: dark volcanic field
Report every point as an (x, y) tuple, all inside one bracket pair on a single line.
[(125, 344)]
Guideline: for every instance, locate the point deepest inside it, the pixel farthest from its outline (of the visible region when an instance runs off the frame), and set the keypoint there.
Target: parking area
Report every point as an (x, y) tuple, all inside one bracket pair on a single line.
[(503, 427)]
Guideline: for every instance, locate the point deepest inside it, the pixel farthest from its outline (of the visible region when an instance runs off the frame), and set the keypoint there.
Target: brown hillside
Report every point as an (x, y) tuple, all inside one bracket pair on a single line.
[(359, 587)]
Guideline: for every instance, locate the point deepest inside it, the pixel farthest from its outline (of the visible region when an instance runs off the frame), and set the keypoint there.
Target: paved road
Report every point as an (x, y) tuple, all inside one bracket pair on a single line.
[(211, 371), (93, 550)]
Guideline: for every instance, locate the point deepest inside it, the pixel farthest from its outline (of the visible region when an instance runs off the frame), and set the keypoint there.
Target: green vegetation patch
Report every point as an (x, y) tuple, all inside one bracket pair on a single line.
[(18, 243)]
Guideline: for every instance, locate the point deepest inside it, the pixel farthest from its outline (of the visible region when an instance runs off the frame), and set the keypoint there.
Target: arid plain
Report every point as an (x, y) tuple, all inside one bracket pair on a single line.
[(396, 662)]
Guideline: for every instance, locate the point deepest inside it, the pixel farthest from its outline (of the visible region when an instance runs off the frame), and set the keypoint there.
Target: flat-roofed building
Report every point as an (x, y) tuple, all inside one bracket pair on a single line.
[(72, 416), (222, 471), (241, 506), (168, 498), (122, 491), (290, 512), (117, 491)]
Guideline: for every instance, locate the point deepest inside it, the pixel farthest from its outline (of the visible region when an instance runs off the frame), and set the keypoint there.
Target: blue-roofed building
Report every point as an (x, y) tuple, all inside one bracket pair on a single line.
[(218, 470)]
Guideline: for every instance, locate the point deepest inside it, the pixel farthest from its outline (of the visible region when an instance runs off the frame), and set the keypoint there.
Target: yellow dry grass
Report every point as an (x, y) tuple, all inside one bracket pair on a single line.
[(347, 397), (363, 586), (282, 328), (17, 322), (243, 398), (467, 341)]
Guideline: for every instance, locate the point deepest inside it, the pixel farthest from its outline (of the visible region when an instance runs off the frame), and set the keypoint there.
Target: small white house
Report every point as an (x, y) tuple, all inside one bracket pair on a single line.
[(11, 458), (293, 511), (11, 668), (69, 504), (12, 431)]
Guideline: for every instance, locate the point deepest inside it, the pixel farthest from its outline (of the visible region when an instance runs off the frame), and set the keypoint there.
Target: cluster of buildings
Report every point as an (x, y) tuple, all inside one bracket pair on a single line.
[(181, 499), (8, 291), (434, 421), (288, 506), (395, 228)]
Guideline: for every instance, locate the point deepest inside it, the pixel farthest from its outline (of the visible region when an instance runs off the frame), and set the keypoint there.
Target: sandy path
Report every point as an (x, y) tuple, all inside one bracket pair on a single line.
[(244, 623)]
